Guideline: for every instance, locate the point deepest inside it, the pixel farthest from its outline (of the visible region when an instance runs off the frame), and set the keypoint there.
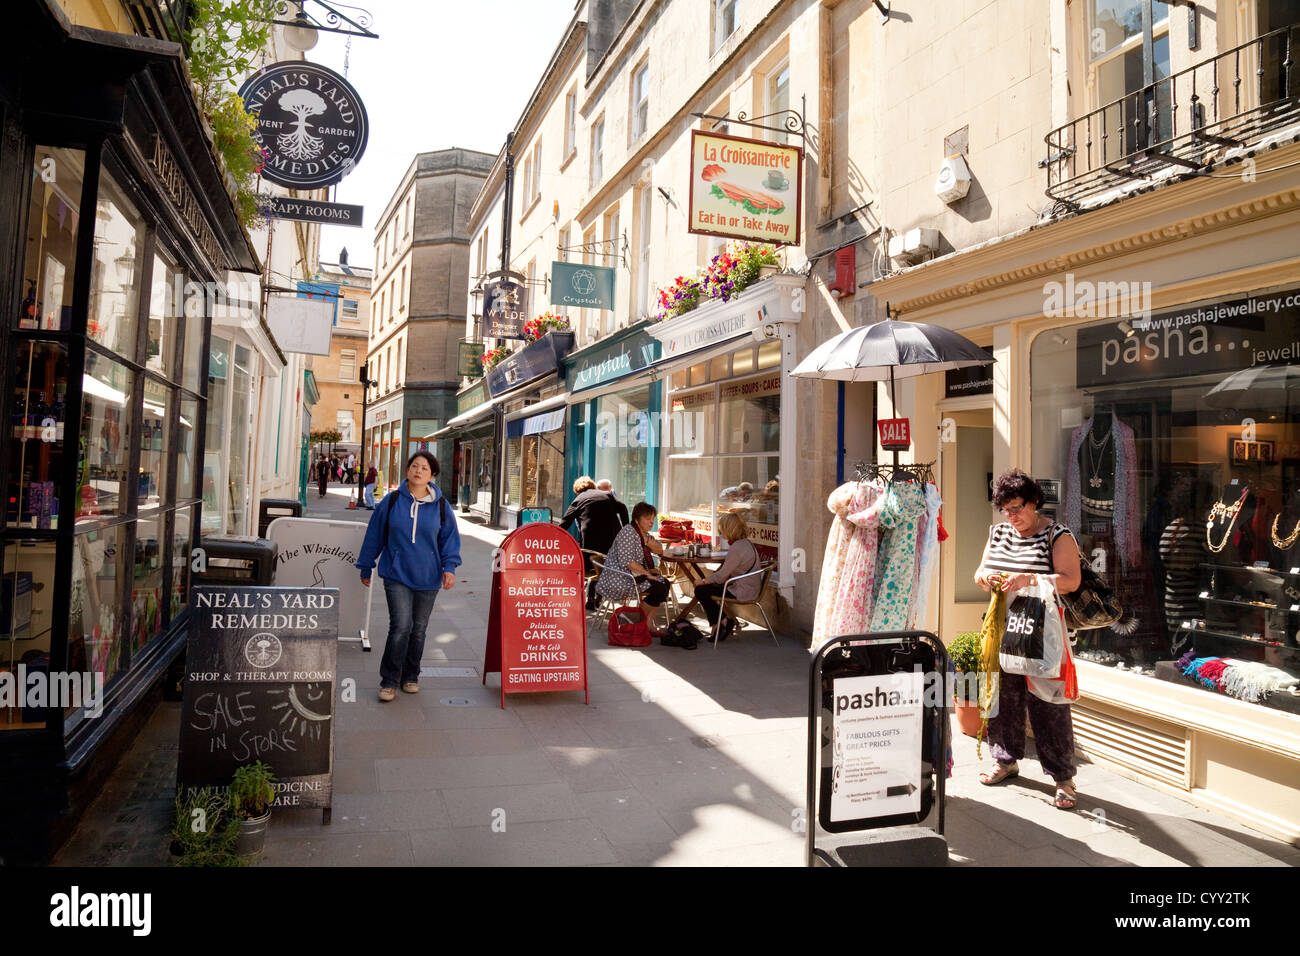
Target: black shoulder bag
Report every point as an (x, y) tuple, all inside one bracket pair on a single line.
[(1093, 604)]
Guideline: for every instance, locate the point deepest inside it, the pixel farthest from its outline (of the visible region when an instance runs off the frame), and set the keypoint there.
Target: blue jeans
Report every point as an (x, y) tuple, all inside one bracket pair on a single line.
[(408, 618), (370, 495)]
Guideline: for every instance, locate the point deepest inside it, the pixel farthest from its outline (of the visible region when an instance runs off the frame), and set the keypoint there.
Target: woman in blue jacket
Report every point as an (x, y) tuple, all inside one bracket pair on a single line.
[(416, 532)]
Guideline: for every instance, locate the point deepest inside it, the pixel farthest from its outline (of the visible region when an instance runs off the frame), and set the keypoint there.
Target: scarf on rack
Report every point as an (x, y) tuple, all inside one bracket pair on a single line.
[(928, 532), (1127, 543)]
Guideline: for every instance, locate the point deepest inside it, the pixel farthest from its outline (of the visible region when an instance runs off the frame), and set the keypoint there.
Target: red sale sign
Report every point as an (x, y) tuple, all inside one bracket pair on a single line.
[(895, 433), (537, 628)]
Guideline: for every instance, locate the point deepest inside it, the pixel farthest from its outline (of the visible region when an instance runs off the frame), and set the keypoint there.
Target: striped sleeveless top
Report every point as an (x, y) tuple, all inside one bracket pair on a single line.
[(1007, 551)]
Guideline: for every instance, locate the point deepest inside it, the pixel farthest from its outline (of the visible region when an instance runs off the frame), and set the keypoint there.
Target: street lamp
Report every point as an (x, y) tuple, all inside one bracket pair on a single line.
[(301, 34), (366, 385)]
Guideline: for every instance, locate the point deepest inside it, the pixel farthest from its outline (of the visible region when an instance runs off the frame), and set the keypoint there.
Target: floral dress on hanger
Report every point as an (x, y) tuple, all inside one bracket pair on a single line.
[(903, 505)]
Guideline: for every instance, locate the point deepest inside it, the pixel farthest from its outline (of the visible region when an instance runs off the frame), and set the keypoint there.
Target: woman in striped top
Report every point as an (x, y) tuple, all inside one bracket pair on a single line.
[(1022, 549)]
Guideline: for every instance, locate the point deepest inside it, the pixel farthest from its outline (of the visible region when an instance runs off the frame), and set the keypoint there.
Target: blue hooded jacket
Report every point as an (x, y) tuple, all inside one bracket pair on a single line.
[(421, 546)]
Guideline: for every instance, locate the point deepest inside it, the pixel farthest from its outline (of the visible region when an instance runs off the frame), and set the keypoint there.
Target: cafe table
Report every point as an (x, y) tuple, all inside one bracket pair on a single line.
[(695, 568)]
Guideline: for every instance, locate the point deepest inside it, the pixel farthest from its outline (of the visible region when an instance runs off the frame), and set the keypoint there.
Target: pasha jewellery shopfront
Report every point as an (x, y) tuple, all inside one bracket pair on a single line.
[(722, 446)]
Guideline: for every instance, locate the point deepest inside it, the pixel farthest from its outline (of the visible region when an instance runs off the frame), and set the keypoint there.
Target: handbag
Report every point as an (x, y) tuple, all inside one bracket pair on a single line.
[(628, 628), (1092, 604), (1033, 641)]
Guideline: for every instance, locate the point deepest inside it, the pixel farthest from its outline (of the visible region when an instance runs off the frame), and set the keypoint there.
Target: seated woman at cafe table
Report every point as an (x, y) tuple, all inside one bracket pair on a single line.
[(632, 551), (742, 557)]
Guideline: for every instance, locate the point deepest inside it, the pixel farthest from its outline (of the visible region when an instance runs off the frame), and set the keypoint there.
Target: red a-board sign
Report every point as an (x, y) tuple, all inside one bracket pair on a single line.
[(537, 627), (895, 433)]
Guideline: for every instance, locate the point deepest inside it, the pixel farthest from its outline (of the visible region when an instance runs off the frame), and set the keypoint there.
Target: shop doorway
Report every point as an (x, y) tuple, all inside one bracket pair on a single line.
[(966, 487)]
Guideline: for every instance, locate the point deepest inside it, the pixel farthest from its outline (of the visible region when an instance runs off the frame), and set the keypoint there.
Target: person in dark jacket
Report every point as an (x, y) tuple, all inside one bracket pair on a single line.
[(607, 486), (322, 475), (599, 520), (414, 535)]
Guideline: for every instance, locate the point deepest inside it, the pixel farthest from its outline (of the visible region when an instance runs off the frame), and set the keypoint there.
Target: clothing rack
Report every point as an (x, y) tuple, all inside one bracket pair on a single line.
[(895, 471)]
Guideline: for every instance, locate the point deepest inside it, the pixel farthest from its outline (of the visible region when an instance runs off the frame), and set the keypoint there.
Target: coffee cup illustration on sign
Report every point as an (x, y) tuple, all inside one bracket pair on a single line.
[(775, 180)]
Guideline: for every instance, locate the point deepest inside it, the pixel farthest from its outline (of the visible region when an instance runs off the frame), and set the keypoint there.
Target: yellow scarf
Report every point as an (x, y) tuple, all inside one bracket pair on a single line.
[(995, 622)]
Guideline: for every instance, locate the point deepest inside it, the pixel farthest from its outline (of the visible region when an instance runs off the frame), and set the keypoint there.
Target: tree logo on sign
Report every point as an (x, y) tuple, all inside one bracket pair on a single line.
[(263, 650)]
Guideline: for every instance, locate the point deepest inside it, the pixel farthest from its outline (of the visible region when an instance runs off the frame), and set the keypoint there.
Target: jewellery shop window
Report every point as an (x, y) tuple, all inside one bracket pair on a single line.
[(1174, 453)]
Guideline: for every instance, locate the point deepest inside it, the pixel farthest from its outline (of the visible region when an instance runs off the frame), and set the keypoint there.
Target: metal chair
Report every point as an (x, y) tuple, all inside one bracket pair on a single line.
[(608, 605), (763, 572)]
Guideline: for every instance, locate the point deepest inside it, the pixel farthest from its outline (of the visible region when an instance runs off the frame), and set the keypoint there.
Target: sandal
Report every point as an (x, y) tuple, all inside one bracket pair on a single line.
[(1001, 773), (1066, 796)]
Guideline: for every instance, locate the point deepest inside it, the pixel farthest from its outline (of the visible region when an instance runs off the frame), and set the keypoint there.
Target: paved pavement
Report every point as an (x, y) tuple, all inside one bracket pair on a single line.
[(681, 758)]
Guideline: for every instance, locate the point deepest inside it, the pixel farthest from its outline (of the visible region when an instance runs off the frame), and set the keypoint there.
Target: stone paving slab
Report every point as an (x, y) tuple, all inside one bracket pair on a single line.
[(683, 758)]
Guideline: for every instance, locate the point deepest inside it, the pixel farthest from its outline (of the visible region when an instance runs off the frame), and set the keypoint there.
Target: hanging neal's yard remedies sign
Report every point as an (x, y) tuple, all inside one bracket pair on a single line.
[(311, 125), (260, 671), (745, 189)]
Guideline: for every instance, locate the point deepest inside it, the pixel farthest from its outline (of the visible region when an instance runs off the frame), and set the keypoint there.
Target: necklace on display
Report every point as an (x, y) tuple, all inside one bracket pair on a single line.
[(1284, 544), (1220, 510), (1094, 462)]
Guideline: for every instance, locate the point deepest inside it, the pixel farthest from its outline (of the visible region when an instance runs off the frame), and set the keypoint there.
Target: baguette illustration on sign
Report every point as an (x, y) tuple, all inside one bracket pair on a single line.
[(745, 188)]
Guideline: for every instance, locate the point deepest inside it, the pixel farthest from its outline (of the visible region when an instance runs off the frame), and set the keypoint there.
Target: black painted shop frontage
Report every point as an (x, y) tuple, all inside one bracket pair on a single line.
[(114, 215)]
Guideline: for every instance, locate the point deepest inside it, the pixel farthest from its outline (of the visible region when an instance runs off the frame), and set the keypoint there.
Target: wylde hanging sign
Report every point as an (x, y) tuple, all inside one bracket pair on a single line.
[(310, 123)]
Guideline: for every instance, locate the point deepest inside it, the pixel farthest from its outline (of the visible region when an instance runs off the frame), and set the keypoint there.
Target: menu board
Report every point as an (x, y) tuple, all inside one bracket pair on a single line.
[(537, 629), (260, 671)]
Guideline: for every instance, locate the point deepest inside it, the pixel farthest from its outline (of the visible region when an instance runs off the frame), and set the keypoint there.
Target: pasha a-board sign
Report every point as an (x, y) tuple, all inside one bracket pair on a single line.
[(311, 125), (745, 189)]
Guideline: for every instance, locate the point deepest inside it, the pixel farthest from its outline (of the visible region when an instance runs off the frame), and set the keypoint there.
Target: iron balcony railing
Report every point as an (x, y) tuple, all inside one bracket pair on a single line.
[(1185, 120)]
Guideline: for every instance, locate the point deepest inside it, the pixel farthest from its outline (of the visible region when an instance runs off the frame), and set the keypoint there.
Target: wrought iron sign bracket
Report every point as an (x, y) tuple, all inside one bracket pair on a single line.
[(331, 19), (596, 247), (793, 121)]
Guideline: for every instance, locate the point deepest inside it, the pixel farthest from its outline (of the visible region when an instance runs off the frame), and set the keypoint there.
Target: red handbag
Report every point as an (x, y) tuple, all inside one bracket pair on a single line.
[(628, 628)]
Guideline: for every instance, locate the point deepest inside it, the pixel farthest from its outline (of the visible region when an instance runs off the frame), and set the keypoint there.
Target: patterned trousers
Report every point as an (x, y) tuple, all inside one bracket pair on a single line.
[(1053, 729)]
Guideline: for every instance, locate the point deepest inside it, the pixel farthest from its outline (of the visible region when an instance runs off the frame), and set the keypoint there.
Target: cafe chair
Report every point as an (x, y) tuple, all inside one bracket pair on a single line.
[(763, 572), (597, 561)]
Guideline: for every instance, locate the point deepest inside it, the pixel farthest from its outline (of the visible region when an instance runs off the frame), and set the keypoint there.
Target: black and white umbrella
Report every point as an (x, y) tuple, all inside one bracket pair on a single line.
[(888, 350)]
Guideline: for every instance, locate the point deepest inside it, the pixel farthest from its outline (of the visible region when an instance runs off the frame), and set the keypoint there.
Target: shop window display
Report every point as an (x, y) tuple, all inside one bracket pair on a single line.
[(105, 438), (1176, 442), (115, 270), (165, 298), (154, 446), (623, 440), (214, 471), (181, 543), (186, 446), (26, 618), (147, 581), (54, 217), (240, 427), (722, 444), (36, 434), (97, 619)]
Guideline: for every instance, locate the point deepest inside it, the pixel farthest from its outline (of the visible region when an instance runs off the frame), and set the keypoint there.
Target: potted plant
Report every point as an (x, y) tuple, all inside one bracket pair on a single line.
[(964, 652), (252, 791), (204, 830)]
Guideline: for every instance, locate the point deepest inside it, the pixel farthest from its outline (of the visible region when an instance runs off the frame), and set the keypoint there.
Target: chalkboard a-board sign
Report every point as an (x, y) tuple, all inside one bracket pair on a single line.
[(260, 671)]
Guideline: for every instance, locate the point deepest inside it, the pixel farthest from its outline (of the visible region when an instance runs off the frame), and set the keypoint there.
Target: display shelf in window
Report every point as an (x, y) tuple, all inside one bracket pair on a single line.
[(38, 415), (1257, 638)]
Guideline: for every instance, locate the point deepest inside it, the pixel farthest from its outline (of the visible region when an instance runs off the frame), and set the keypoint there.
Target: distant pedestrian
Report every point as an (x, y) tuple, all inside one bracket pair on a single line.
[(415, 539), (322, 475), (372, 476), (349, 469)]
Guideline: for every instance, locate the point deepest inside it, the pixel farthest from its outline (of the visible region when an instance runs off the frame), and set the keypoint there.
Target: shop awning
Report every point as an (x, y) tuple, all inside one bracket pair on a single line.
[(536, 425), (669, 363), (475, 414), (544, 416)]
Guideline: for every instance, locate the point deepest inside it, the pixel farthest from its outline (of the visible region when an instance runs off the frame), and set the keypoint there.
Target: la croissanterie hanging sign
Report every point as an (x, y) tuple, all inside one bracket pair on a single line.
[(745, 189)]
